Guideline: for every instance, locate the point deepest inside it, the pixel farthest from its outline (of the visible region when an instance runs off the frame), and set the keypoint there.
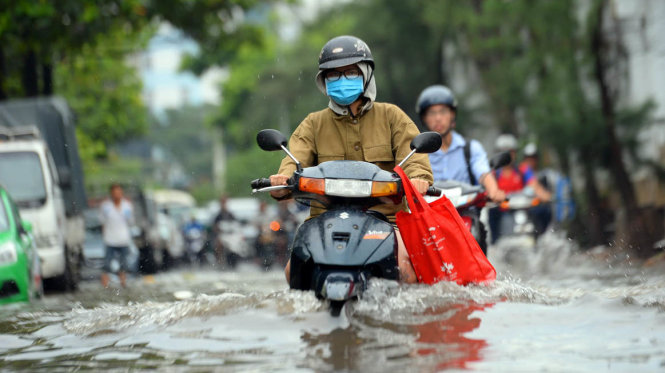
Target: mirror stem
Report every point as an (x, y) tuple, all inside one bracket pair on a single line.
[(298, 166), (406, 158)]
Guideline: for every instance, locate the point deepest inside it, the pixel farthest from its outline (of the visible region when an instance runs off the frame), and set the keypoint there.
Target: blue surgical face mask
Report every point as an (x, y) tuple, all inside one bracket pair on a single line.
[(344, 91)]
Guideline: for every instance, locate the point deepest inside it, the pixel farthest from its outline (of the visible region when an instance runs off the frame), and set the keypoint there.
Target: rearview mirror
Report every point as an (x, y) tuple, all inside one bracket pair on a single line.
[(426, 142), (25, 227), (271, 140), (500, 160)]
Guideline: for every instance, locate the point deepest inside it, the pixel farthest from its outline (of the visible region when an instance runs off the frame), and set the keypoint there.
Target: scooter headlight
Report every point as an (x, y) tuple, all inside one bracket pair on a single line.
[(8, 253), (348, 188)]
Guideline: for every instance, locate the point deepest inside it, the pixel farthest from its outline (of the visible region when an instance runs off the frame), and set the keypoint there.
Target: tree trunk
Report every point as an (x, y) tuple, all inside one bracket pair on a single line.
[(637, 232), (441, 64), (29, 76), (47, 79), (594, 222), (3, 73)]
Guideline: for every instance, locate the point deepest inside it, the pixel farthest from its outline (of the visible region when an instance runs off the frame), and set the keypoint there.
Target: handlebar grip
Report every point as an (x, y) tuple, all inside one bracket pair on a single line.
[(433, 191), (261, 183)]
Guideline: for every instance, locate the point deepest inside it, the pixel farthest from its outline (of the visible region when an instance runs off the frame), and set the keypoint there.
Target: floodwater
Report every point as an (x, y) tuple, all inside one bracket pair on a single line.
[(552, 310)]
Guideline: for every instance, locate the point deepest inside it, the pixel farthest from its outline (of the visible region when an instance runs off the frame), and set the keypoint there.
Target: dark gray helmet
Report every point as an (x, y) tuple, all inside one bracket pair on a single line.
[(344, 50), (435, 95)]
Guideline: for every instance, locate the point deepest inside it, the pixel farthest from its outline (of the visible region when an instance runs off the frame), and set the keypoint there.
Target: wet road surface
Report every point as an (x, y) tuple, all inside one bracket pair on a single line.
[(552, 310)]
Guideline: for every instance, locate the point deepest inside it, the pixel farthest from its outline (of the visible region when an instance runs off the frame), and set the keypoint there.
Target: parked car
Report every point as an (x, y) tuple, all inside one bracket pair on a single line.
[(20, 270), (41, 169)]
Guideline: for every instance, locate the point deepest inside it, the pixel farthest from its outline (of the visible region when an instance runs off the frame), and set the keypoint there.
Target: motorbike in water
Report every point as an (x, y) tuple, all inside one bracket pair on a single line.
[(197, 245), (231, 245), (520, 219), (335, 254)]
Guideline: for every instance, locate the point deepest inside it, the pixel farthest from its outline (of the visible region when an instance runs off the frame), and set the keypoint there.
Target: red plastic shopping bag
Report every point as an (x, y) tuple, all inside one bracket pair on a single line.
[(438, 242)]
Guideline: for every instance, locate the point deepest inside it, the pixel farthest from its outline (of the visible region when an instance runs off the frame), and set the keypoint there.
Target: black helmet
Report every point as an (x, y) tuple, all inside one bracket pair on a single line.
[(344, 50), (435, 95)]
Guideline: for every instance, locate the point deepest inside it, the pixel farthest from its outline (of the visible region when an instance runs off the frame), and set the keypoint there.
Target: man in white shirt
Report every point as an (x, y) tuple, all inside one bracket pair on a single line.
[(116, 216)]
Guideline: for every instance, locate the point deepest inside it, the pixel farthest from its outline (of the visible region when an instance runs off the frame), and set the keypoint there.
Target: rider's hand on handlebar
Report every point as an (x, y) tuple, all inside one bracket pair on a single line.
[(279, 180), (496, 195), (420, 185)]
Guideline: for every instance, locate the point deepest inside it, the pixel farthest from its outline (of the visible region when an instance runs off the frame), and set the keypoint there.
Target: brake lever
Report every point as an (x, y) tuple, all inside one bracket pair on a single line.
[(270, 188)]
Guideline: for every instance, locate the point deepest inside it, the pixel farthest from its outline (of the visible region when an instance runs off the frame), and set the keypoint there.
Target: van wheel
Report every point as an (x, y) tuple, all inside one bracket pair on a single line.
[(36, 288), (70, 279), (167, 260), (147, 262)]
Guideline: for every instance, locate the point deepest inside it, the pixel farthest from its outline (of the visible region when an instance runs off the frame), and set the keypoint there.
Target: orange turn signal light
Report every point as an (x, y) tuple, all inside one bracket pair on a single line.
[(505, 205), (384, 188), (275, 226), (311, 185), (535, 202)]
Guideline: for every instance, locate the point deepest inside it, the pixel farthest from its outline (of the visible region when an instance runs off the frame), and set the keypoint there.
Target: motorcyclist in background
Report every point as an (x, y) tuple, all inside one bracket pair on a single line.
[(554, 182), (513, 179), (354, 127), (458, 159), (223, 215), (194, 234), (267, 228)]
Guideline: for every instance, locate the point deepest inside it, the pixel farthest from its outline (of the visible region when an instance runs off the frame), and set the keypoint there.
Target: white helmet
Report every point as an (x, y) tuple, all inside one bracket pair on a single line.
[(505, 142), (530, 150)]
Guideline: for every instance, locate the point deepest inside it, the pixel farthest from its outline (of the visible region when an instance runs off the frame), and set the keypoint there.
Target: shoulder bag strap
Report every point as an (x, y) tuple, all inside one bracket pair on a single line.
[(467, 157)]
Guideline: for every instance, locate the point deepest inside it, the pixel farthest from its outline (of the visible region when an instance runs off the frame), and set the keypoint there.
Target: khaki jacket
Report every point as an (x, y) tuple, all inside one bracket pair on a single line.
[(381, 136)]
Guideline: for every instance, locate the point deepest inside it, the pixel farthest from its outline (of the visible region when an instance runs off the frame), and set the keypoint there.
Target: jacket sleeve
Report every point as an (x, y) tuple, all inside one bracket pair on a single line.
[(302, 146), (403, 131)]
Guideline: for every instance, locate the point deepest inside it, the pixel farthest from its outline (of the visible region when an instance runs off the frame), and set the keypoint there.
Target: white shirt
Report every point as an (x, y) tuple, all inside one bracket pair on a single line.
[(116, 221)]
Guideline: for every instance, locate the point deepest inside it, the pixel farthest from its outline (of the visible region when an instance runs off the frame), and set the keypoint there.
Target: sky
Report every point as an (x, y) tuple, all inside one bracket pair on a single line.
[(164, 86)]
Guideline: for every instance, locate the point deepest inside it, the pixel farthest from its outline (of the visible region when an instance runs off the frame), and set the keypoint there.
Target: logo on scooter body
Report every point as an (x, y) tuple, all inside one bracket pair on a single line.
[(344, 215), (375, 235)]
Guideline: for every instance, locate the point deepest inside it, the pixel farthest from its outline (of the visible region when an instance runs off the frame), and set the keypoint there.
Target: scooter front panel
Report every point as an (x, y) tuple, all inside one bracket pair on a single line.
[(344, 237)]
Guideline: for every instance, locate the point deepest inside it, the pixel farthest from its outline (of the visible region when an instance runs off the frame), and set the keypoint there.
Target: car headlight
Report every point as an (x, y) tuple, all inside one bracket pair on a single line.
[(8, 253)]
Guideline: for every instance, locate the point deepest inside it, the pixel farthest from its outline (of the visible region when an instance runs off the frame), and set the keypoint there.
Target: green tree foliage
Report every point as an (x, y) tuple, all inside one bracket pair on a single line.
[(85, 45), (104, 91), (35, 35), (186, 134)]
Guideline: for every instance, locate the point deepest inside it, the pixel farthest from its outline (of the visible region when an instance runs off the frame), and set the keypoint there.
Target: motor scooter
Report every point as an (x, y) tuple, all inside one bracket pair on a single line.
[(336, 253), (196, 245), (514, 220), (232, 243)]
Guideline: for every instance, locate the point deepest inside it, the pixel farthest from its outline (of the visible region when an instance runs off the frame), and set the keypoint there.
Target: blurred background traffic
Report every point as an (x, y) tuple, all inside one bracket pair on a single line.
[(166, 97)]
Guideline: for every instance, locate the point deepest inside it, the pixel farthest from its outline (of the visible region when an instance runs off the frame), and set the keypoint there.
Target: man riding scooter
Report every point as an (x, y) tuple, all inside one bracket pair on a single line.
[(355, 127), (458, 159), (513, 179)]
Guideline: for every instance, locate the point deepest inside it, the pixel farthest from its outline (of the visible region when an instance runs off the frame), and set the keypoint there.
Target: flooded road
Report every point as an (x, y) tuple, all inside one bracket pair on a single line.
[(550, 311)]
